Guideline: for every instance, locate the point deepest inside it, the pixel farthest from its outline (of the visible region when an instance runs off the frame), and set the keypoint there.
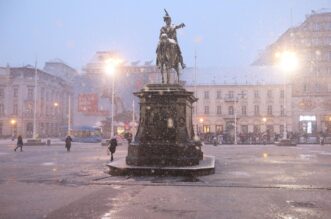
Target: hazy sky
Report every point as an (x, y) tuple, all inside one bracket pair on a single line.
[(224, 33)]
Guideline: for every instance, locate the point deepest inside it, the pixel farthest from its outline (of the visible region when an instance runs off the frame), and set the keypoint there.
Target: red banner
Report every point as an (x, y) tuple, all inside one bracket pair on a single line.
[(88, 103)]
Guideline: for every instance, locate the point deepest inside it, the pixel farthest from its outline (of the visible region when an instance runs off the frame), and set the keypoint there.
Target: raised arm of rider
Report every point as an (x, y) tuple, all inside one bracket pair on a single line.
[(180, 26)]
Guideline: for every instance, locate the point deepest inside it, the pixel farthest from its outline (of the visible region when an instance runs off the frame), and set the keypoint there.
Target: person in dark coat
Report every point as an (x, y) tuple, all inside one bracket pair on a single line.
[(68, 143), (112, 147), (19, 143)]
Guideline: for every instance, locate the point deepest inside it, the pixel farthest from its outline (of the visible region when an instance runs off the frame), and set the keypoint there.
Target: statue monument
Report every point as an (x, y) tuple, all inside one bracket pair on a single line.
[(165, 142), (169, 55)]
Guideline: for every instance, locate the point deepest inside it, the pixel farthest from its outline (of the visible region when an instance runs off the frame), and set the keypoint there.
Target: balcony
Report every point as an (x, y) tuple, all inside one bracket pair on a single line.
[(230, 99)]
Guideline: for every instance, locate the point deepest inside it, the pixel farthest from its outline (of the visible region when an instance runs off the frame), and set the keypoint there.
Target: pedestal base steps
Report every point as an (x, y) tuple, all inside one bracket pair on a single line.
[(205, 167)]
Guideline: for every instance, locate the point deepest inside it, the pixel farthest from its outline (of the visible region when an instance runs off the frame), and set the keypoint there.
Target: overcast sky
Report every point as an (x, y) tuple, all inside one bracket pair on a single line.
[(224, 33)]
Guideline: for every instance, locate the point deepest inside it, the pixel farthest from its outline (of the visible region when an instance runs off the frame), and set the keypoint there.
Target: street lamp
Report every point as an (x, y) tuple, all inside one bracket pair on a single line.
[(13, 123), (201, 122), (288, 62), (111, 66), (264, 120)]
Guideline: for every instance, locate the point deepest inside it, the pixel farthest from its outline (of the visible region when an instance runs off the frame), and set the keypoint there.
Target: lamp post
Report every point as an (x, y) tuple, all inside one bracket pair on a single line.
[(264, 120), (56, 105), (235, 120), (35, 134), (288, 62), (201, 122), (13, 123), (237, 98), (111, 66)]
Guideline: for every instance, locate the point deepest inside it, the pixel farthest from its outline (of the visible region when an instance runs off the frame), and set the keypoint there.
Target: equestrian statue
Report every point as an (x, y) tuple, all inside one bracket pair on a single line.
[(168, 51)]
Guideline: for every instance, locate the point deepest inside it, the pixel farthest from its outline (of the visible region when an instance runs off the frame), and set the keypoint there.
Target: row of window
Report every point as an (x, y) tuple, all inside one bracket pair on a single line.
[(230, 110), (30, 93), (29, 109), (243, 128), (242, 94)]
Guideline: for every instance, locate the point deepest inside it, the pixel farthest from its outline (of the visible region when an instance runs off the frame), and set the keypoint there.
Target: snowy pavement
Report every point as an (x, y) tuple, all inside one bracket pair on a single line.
[(250, 182)]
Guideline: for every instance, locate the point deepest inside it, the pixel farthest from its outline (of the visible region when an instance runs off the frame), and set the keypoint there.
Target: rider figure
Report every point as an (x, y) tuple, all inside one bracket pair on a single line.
[(170, 30)]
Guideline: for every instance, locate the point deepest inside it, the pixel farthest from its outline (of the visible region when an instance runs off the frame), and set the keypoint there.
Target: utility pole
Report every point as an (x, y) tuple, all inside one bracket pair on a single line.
[(69, 114), (35, 103), (195, 90)]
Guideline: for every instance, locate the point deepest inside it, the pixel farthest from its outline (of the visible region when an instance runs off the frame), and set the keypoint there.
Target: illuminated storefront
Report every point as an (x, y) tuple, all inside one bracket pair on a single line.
[(308, 124)]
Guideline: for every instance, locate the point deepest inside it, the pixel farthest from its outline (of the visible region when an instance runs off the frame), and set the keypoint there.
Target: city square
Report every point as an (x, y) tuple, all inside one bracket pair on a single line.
[(250, 181), (121, 109)]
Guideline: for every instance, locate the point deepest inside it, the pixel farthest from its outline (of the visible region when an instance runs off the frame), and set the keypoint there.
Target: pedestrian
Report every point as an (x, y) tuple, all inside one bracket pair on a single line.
[(322, 139), (68, 143), (112, 147), (19, 143)]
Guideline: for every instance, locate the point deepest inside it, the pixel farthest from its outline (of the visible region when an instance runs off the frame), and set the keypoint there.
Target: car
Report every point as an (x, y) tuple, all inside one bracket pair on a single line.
[(286, 142)]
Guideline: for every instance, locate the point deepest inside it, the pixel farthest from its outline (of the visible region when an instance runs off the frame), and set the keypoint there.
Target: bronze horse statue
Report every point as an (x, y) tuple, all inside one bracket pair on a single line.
[(167, 57)]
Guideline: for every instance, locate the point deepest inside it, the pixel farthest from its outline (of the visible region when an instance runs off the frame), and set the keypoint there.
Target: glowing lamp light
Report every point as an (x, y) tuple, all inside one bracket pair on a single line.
[(201, 120), (288, 61), (111, 65), (264, 119), (56, 104), (13, 121)]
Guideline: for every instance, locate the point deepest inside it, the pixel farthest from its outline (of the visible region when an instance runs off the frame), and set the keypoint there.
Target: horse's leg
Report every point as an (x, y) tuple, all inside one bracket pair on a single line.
[(168, 75), (162, 72), (177, 70)]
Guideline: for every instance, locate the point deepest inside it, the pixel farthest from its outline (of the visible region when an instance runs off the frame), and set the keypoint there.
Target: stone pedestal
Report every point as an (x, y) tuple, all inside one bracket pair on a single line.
[(165, 135)]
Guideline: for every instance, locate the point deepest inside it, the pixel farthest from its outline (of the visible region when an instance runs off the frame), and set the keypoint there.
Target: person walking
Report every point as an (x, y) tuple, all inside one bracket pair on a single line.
[(68, 143), (19, 143), (112, 147)]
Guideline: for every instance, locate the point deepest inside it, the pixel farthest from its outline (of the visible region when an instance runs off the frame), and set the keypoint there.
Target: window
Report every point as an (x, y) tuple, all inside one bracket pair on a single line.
[(244, 110), (256, 128), (242, 94), (15, 92), (2, 109), (231, 94), (256, 94), (30, 93), (15, 109), (269, 93), (231, 110), (206, 109), (281, 128), (2, 93), (219, 110), (29, 108), (305, 88), (206, 128), (270, 129), (219, 94), (244, 128), (281, 93), (256, 110), (269, 110), (281, 110), (206, 95), (219, 129)]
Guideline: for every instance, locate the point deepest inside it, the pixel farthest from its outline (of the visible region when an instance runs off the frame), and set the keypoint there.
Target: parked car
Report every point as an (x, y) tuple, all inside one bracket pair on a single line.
[(286, 142)]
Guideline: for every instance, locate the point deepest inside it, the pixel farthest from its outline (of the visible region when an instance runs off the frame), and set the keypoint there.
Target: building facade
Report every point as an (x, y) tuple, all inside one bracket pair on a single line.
[(242, 110), (311, 82), (20, 89)]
